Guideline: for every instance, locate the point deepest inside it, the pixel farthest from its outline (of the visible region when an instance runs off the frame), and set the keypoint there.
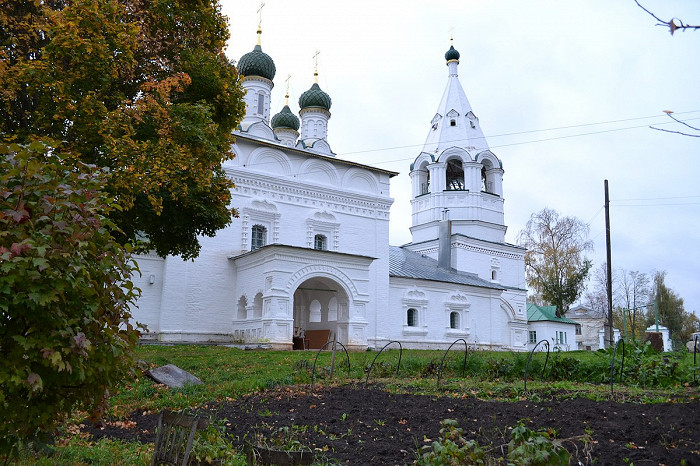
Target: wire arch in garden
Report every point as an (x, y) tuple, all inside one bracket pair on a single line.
[(612, 364), (398, 366), (464, 363), (529, 358), (347, 356)]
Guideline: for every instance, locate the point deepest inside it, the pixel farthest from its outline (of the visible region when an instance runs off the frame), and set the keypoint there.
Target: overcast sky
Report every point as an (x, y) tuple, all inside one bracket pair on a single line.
[(565, 92)]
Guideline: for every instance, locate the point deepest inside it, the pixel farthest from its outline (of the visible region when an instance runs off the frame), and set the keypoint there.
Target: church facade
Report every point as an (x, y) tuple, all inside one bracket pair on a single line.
[(310, 254)]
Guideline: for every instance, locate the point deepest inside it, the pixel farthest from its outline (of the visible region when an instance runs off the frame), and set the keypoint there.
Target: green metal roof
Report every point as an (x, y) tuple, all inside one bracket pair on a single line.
[(315, 97), (537, 313), (257, 63), (285, 119)]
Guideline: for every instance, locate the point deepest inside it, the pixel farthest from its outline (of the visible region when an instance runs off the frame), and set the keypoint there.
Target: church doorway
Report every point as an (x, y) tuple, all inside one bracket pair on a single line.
[(320, 313)]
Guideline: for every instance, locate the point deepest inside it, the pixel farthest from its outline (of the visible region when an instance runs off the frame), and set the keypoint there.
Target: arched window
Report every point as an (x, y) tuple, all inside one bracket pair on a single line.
[(258, 237), (455, 175), (486, 179), (412, 318), (454, 319), (494, 275), (320, 242)]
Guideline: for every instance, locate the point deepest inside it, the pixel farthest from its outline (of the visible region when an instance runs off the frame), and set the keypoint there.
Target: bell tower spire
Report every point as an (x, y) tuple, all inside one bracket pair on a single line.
[(457, 171)]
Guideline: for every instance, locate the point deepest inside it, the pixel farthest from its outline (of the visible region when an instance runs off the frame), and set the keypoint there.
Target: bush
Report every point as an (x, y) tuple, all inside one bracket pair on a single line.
[(65, 293)]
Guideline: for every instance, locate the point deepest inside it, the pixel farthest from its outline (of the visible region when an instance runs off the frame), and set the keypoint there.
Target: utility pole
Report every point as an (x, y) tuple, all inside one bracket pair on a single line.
[(611, 333)]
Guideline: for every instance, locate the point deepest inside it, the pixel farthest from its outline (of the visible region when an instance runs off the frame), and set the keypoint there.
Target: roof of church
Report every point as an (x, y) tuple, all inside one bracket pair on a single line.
[(409, 264), (257, 140), (454, 123), (315, 97), (452, 54), (257, 63), (285, 119), (537, 313)]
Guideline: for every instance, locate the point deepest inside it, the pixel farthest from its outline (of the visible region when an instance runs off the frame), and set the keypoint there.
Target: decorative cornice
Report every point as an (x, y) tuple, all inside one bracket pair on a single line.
[(279, 192)]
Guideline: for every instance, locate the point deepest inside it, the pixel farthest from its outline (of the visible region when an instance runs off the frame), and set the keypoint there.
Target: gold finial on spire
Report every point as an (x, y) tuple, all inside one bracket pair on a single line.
[(262, 4), (286, 95), (452, 30), (315, 57)]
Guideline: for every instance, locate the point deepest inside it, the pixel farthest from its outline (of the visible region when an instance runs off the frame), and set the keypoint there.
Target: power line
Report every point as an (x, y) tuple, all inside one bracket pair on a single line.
[(405, 159), (656, 205), (655, 198), (532, 131)]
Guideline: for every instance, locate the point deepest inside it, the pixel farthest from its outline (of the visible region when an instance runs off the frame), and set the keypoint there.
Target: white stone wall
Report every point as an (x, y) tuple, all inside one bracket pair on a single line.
[(548, 330), (483, 321), (294, 196)]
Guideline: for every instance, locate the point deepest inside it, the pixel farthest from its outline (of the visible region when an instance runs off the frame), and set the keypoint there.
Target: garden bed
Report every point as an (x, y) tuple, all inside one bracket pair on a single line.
[(371, 426)]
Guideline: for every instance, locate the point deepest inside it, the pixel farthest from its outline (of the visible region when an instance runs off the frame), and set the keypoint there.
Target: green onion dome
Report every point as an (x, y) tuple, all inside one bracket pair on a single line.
[(315, 97), (452, 54), (257, 63), (285, 119)]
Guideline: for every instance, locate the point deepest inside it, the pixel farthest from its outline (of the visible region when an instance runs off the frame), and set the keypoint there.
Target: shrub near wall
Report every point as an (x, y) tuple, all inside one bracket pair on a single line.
[(64, 292)]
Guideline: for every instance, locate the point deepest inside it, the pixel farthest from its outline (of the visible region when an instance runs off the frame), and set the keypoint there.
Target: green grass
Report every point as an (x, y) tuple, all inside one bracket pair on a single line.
[(229, 373)]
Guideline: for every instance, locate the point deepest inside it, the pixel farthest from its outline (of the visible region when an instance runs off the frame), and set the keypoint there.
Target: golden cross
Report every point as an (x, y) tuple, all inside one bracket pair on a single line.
[(452, 30), (315, 57), (262, 4), (286, 97)]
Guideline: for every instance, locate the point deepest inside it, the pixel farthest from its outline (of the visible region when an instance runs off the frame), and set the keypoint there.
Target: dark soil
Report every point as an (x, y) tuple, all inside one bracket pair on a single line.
[(370, 426)]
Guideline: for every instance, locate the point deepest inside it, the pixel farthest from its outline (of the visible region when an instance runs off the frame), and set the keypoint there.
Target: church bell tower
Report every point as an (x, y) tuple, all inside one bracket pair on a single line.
[(456, 177)]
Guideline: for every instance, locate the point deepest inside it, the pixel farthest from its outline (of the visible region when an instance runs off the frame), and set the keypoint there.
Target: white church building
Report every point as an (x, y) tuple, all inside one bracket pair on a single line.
[(310, 254)]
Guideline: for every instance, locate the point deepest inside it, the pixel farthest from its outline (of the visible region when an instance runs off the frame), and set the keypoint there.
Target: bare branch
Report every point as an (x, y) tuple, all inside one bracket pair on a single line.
[(676, 132), (669, 112), (681, 122), (670, 24)]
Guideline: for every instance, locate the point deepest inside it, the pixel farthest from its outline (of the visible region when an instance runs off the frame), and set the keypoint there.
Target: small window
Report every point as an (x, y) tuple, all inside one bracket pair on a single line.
[(412, 318), (494, 275), (320, 242), (578, 329), (261, 103), (454, 320), (533, 337), (471, 123), (258, 237), (453, 122)]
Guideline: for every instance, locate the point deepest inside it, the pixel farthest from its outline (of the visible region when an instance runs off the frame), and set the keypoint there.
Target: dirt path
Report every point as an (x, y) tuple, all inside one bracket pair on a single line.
[(371, 427)]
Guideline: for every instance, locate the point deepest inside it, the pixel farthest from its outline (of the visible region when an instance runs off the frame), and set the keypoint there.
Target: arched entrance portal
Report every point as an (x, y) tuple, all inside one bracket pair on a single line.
[(320, 311)]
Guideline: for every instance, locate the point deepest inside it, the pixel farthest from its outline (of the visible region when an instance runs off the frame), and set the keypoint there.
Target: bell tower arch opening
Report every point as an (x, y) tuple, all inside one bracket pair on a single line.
[(454, 175)]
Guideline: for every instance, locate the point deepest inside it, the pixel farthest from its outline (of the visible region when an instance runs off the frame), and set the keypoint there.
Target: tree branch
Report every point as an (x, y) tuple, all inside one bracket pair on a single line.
[(676, 132), (670, 24), (669, 112)]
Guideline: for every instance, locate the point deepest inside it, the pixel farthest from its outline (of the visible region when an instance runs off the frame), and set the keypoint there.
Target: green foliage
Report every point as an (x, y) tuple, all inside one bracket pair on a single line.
[(529, 447), (526, 447), (671, 313), (141, 88), (453, 449), (212, 444), (563, 367), (65, 293)]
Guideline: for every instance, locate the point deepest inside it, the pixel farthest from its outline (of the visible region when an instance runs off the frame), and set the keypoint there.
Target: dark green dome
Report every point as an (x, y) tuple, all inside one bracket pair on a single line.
[(285, 119), (452, 54), (315, 97), (257, 63)]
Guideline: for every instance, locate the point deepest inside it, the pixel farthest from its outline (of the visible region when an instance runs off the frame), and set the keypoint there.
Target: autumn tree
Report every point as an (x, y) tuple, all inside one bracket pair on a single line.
[(596, 296), (139, 87), (632, 295), (555, 262), (670, 311), (65, 292)]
